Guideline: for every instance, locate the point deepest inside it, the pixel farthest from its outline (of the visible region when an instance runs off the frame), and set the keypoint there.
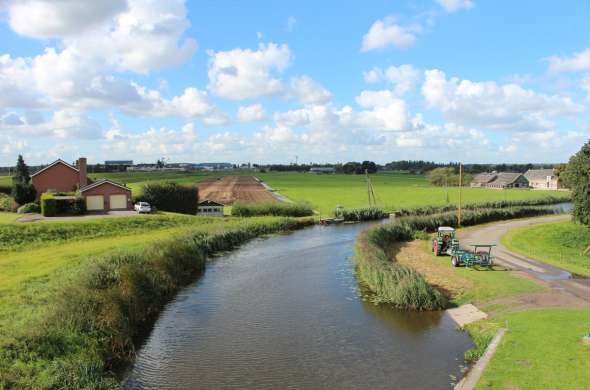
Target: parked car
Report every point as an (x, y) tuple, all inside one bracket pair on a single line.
[(143, 207)]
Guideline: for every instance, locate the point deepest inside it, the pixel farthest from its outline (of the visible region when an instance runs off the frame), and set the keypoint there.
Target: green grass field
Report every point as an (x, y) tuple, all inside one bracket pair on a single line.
[(560, 243), (325, 192), (542, 349)]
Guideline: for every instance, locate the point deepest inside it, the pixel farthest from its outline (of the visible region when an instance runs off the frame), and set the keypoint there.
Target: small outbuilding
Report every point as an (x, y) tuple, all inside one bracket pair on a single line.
[(106, 195), (209, 208)]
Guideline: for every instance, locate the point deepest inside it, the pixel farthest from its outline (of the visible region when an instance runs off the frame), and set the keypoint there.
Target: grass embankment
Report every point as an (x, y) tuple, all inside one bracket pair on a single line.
[(240, 209), (405, 287), (560, 244), (542, 350), (69, 312)]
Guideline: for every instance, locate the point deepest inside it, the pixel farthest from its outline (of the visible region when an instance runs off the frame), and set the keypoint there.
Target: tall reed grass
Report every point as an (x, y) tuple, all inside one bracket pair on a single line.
[(241, 209), (98, 316)]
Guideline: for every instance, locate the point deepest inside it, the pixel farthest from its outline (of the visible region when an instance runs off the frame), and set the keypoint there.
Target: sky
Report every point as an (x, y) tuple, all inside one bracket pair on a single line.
[(309, 81)]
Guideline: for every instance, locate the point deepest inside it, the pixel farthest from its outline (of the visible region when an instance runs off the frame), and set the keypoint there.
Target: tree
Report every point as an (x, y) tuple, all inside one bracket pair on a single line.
[(22, 189), (442, 177), (369, 166), (577, 177)]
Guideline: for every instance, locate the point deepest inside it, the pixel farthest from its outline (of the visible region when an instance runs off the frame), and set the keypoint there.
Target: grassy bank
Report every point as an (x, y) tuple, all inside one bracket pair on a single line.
[(69, 312), (542, 349), (405, 287), (561, 244)]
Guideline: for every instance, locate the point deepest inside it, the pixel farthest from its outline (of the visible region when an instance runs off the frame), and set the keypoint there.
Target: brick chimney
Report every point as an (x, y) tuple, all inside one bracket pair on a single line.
[(82, 172)]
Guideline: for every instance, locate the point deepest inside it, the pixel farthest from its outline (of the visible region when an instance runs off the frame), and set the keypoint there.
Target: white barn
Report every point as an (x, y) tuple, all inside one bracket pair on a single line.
[(209, 208)]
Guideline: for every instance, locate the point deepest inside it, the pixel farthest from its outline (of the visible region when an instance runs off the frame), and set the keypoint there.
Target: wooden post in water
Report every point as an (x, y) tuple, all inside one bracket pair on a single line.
[(460, 194)]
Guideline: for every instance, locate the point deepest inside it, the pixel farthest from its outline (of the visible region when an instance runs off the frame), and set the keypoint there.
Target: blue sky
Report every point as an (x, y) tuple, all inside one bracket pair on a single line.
[(265, 81)]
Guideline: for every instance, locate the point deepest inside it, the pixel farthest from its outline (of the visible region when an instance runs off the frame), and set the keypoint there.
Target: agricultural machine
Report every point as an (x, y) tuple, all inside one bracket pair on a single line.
[(446, 243)]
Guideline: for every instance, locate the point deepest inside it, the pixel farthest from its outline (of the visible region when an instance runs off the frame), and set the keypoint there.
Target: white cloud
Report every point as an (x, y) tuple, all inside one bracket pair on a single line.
[(216, 118), (403, 77), (577, 62), (17, 87), (455, 5), (245, 73), (387, 32), (140, 36), (251, 113), (369, 99), (308, 91), (62, 124), (493, 106), (58, 18)]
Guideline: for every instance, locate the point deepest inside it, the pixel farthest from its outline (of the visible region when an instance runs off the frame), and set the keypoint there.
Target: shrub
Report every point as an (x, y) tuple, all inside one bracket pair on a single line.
[(240, 209), (78, 206), (172, 197), (29, 208), (23, 193), (4, 189), (48, 205), (362, 214), (6, 202)]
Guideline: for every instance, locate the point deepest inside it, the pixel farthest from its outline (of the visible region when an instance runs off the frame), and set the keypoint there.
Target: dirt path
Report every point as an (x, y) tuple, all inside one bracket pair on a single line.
[(565, 289), (229, 189)]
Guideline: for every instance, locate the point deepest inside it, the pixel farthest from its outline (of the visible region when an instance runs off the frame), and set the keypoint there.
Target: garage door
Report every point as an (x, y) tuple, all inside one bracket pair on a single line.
[(95, 202), (118, 201)]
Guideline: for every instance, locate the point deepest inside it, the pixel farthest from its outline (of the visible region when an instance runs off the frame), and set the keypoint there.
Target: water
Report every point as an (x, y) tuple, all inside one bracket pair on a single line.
[(285, 312)]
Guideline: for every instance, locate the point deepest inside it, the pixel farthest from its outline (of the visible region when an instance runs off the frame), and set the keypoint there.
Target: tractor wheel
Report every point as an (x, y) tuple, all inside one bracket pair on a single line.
[(455, 261)]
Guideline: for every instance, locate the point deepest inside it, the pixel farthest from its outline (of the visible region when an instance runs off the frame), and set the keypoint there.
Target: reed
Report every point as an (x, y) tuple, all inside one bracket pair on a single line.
[(97, 317), (241, 209)]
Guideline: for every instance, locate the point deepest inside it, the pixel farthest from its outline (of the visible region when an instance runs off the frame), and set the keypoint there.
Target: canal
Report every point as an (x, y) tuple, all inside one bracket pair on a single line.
[(287, 312)]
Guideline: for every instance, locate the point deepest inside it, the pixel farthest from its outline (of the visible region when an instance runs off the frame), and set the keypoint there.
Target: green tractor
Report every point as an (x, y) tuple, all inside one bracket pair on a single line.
[(445, 242)]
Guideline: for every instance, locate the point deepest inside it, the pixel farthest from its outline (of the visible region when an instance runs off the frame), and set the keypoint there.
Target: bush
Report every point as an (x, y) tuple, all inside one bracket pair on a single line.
[(4, 189), (48, 205), (240, 209), (29, 208), (172, 197), (6, 202), (23, 193), (78, 206), (362, 214)]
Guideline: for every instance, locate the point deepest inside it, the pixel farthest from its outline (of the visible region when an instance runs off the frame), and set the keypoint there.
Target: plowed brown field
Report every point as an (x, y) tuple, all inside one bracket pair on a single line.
[(228, 189)]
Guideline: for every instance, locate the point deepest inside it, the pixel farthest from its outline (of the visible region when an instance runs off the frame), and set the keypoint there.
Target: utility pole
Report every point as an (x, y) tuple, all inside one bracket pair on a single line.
[(460, 194)]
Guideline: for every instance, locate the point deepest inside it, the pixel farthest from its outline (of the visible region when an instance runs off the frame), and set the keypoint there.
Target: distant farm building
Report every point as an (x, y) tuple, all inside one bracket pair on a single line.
[(209, 208), (322, 170), (544, 179), (119, 162), (500, 180), (101, 195)]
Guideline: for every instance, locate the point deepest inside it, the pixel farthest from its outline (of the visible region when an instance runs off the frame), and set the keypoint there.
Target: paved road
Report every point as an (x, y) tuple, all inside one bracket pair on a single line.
[(556, 278)]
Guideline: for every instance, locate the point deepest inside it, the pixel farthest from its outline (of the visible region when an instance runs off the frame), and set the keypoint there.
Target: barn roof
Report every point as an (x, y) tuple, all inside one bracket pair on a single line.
[(506, 178), (539, 174), (484, 178), (208, 202)]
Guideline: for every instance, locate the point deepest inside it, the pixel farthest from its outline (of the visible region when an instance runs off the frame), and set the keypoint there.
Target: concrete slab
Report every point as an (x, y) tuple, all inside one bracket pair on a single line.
[(466, 314)]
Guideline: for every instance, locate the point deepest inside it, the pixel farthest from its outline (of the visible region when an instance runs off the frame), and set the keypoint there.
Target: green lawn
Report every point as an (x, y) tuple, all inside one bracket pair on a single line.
[(6, 217), (542, 349), (560, 243)]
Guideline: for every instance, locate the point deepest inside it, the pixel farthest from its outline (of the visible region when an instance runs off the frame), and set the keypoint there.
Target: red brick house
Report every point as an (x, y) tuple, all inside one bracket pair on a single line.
[(101, 195)]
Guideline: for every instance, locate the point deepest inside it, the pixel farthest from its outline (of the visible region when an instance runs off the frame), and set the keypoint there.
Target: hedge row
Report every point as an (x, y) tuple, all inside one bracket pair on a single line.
[(240, 209), (52, 206), (171, 197), (362, 214), (402, 286), (5, 189), (106, 306)]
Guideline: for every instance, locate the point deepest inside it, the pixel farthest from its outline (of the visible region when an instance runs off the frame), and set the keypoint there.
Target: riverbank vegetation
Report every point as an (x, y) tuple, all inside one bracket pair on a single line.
[(71, 310), (561, 244), (401, 285), (241, 209)]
